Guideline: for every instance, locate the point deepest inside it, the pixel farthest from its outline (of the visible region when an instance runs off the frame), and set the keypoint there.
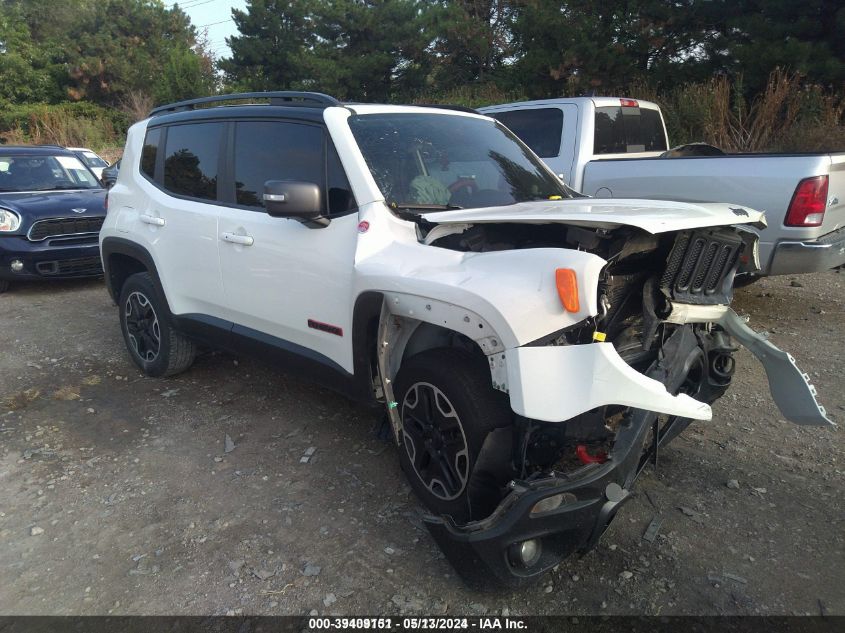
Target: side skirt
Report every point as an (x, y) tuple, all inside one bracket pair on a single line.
[(289, 357)]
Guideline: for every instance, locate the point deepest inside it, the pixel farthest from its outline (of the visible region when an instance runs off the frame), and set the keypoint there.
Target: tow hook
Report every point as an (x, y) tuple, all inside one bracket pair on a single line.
[(586, 458), (616, 496)]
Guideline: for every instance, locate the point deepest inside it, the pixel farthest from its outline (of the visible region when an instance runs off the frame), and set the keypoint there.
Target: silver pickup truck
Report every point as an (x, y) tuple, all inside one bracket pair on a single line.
[(611, 147)]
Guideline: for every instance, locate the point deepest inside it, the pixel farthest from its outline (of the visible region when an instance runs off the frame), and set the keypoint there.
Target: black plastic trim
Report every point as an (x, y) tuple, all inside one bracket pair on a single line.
[(121, 246), (277, 98)]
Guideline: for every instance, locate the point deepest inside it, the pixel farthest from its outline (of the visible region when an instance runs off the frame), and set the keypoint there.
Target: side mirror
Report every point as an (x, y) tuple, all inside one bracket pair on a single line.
[(298, 200)]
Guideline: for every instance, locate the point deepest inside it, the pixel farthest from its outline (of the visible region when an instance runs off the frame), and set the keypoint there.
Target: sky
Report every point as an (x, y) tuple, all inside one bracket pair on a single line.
[(216, 17)]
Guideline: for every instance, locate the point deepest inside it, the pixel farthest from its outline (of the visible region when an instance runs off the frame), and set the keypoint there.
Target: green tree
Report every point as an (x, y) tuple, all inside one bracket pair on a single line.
[(273, 42), (472, 40), (105, 50), (370, 50), (581, 45), (26, 71), (353, 49), (757, 36)]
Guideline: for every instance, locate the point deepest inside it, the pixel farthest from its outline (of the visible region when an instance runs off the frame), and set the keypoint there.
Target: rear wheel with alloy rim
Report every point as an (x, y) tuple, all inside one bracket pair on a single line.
[(448, 408), (153, 344)]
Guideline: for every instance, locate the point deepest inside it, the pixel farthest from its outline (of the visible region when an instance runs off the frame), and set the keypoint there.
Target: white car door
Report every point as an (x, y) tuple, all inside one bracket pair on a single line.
[(281, 278), (177, 218)]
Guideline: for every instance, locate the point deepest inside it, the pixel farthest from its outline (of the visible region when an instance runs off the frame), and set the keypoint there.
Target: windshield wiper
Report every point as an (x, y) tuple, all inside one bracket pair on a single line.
[(423, 206)]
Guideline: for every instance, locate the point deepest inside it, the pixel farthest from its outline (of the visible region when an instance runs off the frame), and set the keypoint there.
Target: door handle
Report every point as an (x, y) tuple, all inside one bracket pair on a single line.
[(151, 219), (234, 238)]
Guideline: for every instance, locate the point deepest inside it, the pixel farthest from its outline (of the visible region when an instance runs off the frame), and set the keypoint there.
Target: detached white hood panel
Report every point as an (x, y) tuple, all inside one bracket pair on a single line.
[(653, 216)]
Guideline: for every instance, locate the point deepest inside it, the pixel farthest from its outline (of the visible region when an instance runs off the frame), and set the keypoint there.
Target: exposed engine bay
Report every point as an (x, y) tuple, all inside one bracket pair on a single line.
[(536, 348), (663, 304), (644, 275)]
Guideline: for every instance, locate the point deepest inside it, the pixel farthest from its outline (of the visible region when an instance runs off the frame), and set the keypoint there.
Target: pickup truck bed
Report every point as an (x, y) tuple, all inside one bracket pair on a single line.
[(765, 182)]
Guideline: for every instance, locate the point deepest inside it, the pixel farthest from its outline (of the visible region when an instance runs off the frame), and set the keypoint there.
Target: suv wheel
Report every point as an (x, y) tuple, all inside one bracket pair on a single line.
[(155, 347), (448, 407)]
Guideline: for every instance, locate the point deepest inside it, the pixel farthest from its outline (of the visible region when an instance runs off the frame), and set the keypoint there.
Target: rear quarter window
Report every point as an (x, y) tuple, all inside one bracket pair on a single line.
[(540, 129), (150, 152)]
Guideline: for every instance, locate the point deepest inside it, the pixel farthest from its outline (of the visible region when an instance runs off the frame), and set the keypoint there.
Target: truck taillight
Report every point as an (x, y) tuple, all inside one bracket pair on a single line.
[(629, 103), (808, 203)]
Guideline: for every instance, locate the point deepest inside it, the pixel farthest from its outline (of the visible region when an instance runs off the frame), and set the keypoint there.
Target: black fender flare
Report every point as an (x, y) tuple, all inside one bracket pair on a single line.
[(365, 321), (121, 246)]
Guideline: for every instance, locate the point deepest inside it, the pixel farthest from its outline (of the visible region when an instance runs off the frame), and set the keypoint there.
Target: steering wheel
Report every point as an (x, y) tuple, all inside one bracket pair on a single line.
[(467, 185)]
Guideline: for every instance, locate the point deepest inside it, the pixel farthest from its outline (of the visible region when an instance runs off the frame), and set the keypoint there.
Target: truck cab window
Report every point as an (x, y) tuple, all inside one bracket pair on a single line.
[(540, 129)]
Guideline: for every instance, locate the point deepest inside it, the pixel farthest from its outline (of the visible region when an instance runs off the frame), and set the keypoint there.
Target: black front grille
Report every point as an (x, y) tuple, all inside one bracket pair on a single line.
[(55, 227), (701, 266), (79, 267)]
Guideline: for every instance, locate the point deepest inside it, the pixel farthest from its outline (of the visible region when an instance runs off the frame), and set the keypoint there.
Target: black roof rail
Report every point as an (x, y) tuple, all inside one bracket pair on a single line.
[(34, 146), (282, 97)]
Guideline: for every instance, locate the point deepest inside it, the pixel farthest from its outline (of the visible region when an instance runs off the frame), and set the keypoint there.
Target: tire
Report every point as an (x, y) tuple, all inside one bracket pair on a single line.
[(743, 281), (448, 406), (4, 286), (154, 346)]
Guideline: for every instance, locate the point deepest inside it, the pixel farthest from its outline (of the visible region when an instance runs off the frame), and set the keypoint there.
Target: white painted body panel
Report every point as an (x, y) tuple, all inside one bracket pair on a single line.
[(546, 383), (186, 246), (653, 216), (291, 273)]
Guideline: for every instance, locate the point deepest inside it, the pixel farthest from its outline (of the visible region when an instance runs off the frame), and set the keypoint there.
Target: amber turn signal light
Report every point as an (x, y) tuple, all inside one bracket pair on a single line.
[(567, 289)]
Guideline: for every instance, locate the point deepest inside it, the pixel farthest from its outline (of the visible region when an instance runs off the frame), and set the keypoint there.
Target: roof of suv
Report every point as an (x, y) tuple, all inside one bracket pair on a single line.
[(36, 150), (306, 106), (256, 111)]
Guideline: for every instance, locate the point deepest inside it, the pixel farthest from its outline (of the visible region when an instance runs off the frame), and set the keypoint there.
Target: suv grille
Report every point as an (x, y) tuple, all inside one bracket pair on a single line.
[(58, 227), (701, 266)]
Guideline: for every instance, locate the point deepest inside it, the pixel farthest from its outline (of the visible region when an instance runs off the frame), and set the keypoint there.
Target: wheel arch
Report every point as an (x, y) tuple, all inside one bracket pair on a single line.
[(123, 258)]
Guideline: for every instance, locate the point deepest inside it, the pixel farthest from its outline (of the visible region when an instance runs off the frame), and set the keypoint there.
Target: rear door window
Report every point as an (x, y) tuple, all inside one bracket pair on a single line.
[(628, 130), (192, 157), (540, 128)]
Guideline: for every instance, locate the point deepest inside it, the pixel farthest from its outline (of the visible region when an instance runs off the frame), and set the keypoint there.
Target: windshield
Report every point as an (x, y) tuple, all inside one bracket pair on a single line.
[(420, 161), (92, 160), (22, 172)]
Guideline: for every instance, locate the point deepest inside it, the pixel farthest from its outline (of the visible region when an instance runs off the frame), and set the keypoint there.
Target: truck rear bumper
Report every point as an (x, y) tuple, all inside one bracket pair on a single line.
[(809, 256)]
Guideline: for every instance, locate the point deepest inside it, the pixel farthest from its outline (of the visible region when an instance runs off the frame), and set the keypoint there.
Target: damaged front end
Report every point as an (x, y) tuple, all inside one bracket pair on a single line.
[(596, 402)]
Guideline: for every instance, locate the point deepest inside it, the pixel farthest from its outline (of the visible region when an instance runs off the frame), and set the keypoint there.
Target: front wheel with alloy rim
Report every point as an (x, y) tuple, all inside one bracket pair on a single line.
[(448, 408), (154, 346)]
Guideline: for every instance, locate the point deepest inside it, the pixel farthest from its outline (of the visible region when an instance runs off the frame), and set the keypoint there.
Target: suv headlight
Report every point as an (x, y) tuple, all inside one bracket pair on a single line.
[(9, 220)]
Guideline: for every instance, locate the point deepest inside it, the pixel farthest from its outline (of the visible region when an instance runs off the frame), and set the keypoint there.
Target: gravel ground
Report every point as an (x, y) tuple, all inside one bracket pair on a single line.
[(122, 495)]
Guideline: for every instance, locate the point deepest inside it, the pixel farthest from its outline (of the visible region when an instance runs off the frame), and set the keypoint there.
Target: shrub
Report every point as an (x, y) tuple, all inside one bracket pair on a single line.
[(788, 116), (66, 124)]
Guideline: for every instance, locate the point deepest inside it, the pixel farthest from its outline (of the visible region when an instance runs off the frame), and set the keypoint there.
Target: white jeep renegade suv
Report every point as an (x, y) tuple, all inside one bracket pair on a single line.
[(532, 348)]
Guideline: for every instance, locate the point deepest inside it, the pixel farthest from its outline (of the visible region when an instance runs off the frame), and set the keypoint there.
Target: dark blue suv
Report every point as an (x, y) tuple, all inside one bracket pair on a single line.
[(51, 209)]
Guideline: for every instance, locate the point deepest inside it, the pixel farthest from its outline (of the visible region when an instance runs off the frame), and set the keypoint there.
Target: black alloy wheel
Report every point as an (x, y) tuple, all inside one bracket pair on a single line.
[(450, 414), (142, 326), (435, 441)]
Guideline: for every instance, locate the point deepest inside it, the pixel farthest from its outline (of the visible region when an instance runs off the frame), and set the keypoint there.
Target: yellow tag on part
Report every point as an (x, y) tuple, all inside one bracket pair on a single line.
[(599, 336), (555, 197)]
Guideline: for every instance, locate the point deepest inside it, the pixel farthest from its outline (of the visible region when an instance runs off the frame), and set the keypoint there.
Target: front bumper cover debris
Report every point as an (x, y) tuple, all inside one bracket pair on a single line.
[(594, 493)]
